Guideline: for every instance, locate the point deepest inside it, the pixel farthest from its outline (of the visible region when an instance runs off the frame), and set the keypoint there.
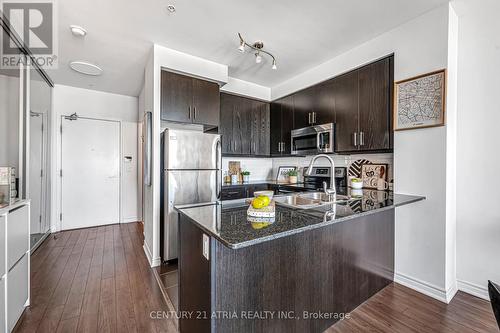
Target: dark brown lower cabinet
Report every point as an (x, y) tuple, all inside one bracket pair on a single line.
[(332, 269)]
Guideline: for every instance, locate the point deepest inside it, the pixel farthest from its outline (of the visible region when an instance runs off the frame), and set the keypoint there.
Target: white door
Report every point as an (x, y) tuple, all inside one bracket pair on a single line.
[(90, 166), (37, 174)]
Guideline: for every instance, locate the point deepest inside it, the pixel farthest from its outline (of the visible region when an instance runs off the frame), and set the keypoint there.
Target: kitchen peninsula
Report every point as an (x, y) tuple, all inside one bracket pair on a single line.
[(317, 263)]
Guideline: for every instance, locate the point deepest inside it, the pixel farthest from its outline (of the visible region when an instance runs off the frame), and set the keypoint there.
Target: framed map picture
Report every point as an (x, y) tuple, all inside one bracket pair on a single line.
[(420, 101)]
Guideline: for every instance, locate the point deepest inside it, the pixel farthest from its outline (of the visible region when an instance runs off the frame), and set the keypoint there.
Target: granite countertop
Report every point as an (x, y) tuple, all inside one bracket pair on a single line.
[(229, 222)]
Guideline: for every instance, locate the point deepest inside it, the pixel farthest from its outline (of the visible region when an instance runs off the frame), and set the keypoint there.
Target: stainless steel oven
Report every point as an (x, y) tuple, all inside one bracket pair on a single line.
[(313, 140)]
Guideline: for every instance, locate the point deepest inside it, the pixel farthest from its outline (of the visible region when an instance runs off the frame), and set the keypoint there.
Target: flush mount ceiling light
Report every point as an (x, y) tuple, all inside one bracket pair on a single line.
[(258, 46), (78, 31), (86, 68)]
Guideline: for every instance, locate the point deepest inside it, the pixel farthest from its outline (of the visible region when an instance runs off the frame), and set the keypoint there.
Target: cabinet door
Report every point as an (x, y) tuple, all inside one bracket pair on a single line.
[(287, 123), (375, 106), (17, 236), (303, 107), (275, 137), (3, 266), (17, 291), (324, 103), (260, 128), (206, 102), (2, 304), (176, 97), (226, 122), (346, 111), (242, 127)]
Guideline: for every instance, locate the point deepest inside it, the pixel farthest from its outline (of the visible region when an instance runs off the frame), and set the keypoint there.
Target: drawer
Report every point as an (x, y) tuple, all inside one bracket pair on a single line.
[(233, 193), (3, 268), (17, 234), (17, 291), (2, 305)]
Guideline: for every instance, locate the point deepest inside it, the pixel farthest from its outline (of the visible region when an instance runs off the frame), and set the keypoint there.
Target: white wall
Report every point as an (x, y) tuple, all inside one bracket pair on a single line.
[(419, 46), (247, 89), (101, 105), (165, 58), (478, 218)]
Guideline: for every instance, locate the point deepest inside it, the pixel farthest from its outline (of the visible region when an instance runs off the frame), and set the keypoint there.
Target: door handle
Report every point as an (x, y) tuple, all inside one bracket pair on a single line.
[(314, 117), (355, 139), (194, 108), (189, 112), (361, 138), (279, 147), (283, 147), (309, 116)]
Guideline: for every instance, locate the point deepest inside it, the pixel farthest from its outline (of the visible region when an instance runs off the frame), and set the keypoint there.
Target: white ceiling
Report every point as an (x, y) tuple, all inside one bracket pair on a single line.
[(300, 34)]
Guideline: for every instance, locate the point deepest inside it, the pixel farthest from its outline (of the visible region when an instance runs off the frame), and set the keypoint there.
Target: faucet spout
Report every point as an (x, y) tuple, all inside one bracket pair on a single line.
[(329, 191)]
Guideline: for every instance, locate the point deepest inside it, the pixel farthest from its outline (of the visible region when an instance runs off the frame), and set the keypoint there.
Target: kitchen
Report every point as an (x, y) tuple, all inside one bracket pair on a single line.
[(350, 209)]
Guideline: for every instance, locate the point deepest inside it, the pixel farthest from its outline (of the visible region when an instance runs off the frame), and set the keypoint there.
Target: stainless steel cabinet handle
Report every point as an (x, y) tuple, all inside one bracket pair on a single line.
[(314, 117), (283, 149), (279, 147), (355, 139), (309, 115), (218, 178), (189, 112), (194, 112), (361, 138)]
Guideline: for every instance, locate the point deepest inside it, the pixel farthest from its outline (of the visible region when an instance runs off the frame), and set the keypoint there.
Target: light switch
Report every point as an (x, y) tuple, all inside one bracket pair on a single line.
[(206, 246)]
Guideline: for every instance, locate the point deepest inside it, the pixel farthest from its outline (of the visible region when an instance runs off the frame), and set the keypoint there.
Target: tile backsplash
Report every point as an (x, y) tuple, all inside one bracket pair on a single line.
[(260, 168), (267, 168), (340, 161)]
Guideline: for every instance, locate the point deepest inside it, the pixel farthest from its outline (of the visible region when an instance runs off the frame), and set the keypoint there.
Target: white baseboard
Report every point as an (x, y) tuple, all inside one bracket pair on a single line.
[(473, 289), (130, 219), (153, 262), (425, 288)]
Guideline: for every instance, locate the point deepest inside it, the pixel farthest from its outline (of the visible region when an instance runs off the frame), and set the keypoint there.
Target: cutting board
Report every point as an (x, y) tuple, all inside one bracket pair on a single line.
[(234, 167)]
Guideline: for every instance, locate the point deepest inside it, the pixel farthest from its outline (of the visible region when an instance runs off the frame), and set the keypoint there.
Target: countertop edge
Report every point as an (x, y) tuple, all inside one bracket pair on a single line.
[(16, 204), (298, 230)]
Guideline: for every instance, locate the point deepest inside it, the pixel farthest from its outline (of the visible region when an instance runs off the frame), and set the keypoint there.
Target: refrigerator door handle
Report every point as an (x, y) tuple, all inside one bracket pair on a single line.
[(218, 178)]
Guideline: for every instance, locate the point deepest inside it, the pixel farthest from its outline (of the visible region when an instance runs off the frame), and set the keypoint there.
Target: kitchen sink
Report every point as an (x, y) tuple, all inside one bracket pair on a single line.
[(322, 197), (307, 200)]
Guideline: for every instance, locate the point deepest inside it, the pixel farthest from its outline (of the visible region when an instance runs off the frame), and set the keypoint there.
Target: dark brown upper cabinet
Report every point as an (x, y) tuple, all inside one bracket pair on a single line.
[(186, 99), (345, 92), (375, 108), (282, 123), (244, 126), (314, 106)]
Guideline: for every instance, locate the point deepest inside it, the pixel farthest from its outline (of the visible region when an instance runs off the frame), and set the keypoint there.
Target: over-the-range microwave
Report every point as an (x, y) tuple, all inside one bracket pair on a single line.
[(318, 139)]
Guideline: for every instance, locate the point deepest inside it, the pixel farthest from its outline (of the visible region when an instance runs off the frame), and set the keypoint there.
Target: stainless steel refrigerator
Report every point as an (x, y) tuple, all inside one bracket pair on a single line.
[(192, 175)]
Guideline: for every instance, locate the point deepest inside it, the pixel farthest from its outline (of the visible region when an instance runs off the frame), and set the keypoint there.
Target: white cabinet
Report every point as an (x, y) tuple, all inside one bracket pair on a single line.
[(2, 304), (17, 291), (17, 234), (3, 249)]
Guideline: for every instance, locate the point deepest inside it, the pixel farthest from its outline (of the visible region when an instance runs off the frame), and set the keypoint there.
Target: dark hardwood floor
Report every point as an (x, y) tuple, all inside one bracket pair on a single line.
[(99, 280), (94, 280), (398, 309)]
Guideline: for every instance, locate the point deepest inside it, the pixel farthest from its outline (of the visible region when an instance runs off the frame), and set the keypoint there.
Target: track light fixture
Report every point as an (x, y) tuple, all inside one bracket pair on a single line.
[(258, 47)]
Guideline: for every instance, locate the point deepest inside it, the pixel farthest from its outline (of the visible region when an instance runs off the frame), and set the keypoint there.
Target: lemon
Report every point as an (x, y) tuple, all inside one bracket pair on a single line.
[(266, 200), (259, 225), (258, 203)]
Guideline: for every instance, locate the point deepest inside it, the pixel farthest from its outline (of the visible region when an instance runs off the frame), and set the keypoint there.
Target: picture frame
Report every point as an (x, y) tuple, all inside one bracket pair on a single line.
[(371, 173), (282, 173), (420, 101)]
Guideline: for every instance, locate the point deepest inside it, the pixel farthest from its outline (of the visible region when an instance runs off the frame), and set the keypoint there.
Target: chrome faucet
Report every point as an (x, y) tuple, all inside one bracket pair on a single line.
[(331, 191)]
